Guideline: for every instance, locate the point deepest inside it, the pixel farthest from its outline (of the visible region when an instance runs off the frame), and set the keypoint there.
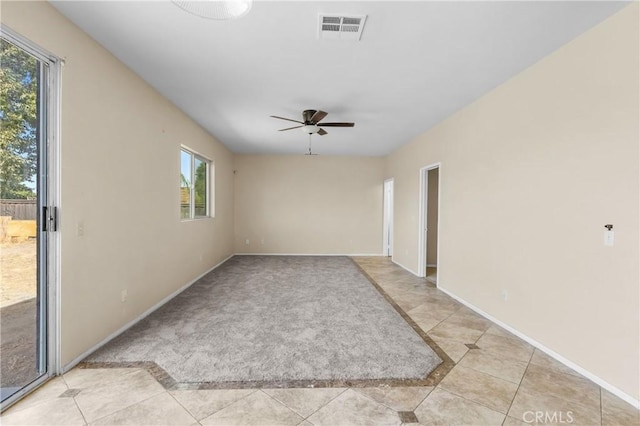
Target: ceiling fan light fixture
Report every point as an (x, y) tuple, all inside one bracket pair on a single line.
[(309, 123), (221, 10), (310, 129)]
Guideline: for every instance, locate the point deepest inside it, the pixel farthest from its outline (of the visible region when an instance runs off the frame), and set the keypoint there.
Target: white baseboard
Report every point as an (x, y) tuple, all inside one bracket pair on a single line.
[(614, 390), (311, 254), (133, 322)]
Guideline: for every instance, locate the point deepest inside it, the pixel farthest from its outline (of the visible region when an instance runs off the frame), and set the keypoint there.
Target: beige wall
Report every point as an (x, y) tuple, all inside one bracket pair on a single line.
[(530, 175), (308, 204), (432, 217), (120, 177)]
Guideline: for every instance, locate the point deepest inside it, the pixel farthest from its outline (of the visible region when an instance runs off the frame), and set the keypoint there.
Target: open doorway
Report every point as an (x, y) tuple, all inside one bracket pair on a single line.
[(387, 227), (429, 219)]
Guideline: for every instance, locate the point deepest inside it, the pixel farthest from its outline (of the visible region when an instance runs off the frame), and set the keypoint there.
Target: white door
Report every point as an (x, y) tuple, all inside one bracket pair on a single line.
[(387, 228)]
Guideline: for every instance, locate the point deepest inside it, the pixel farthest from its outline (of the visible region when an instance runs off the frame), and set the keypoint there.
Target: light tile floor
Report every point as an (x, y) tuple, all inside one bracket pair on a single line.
[(504, 382)]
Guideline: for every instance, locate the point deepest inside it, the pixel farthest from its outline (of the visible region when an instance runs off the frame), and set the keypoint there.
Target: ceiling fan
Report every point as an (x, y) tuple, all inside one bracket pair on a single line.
[(311, 122)]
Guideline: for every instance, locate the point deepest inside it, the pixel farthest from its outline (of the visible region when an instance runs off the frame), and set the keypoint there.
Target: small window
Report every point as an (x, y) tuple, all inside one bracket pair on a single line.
[(194, 185)]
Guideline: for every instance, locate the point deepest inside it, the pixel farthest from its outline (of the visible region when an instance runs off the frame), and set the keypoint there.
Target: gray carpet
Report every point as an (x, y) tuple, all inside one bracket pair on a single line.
[(277, 318)]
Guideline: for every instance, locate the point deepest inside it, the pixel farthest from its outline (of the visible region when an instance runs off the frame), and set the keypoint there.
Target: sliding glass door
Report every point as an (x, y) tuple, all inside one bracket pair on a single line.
[(27, 218)]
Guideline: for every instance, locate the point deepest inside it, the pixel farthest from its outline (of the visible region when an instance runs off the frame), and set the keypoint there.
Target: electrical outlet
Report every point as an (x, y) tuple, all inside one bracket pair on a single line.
[(123, 295), (201, 257), (80, 228), (262, 241), (505, 295), (246, 241)]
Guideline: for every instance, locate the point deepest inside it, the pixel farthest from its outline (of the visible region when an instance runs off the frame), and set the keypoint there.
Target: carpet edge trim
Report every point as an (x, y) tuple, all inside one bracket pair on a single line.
[(169, 383), (438, 373)]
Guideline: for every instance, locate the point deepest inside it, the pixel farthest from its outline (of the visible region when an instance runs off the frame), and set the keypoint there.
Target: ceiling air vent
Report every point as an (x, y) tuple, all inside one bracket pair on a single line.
[(338, 27)]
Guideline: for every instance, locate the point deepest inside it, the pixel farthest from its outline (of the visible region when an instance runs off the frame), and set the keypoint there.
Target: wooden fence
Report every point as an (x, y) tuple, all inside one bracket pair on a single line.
[(19, 209)]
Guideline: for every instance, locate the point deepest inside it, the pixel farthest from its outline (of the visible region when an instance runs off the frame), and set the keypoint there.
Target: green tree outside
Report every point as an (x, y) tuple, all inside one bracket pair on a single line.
[(200, 188), (18, 121)]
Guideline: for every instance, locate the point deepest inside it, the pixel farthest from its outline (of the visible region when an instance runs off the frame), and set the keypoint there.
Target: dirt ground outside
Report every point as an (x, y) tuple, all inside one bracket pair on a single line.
[(17, 272), (18, 327)]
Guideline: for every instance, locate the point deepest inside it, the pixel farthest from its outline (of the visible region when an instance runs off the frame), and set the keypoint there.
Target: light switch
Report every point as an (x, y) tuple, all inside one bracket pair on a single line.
[(608, 238)]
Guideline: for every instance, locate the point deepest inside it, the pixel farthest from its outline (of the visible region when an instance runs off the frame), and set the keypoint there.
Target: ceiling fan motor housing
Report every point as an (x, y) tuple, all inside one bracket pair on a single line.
[(310, 124), (307, 114)]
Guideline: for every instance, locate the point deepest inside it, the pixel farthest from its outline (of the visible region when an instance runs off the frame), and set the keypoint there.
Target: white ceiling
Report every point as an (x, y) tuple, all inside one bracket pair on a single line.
[(417, 63)]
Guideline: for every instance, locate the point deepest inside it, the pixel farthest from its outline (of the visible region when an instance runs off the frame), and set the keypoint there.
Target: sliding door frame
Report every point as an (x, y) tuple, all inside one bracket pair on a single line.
[(49, 189)]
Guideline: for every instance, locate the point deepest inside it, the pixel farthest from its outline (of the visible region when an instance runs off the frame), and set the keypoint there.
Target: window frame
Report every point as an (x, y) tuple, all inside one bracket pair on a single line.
[(209, 211)]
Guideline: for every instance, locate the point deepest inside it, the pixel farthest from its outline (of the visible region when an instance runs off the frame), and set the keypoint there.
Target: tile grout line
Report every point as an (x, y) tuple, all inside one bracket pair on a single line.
[(443, 320), (74, 399), (519, 385), (489, 374), (492, 352), (226, 405), (80, 411), (423, 400), (601, 407), (579, 404), (477, 402), (105, 382), (128, 406), (284, 405), (446, 318), (467, 399), (332, 399), (378, 402), (470, 400), (183, 407)]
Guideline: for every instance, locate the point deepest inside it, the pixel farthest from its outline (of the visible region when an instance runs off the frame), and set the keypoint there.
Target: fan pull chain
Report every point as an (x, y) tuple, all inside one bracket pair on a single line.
[(310, 152)]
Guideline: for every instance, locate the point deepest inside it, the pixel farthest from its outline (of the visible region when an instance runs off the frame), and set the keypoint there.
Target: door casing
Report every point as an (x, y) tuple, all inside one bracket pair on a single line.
[(387, 221), (422, 219)]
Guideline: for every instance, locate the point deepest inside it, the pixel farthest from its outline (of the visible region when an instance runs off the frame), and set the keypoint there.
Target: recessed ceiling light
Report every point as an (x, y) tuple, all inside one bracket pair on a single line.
[(221, 10)]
